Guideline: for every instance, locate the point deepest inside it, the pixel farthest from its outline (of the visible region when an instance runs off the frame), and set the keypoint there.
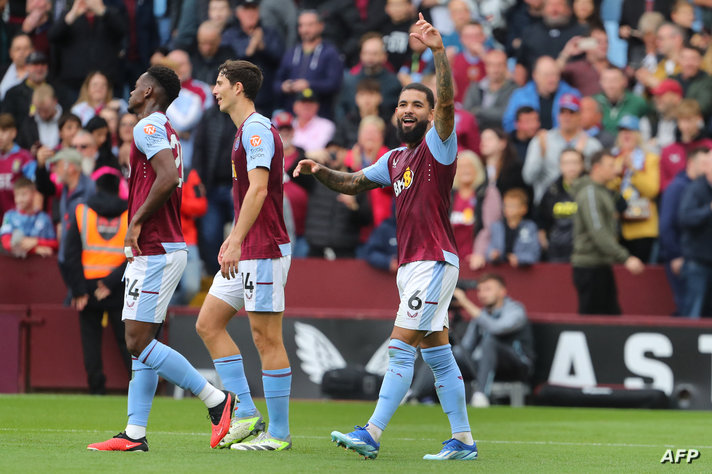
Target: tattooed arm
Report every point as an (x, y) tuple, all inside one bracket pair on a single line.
[(347, 183), (445, 103)]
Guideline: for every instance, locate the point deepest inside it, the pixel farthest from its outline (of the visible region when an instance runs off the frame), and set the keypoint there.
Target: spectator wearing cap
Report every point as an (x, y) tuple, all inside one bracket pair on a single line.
[(591, 121), (20, 49), (372, 65), (659, 126), (296, 194), (15, 162), (689, 136), (41, 128), (584, 73), (638, 182), (616, 100), (696, 83), (209, 54), (312, 64), (18, 99), (487, 99), (254, 42), (543, 93), (541, 167), (311, 132)]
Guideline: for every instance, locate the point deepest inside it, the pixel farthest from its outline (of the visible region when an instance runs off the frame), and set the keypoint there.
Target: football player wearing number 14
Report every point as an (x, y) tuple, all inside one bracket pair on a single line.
[(421, 174), (157, 254)]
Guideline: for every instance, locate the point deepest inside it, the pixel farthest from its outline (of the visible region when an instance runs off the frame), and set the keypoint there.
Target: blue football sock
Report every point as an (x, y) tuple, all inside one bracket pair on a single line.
[(277, 385), (449, 385), (232, 373), (396, 382), (142, 389), (172, 366)]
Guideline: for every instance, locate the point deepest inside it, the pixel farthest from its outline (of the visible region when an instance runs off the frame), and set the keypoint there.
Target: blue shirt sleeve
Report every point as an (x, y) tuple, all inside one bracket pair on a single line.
[(258, 142), (44, 227), (150, 136), (378, 172), (443, 151), (7, 223)]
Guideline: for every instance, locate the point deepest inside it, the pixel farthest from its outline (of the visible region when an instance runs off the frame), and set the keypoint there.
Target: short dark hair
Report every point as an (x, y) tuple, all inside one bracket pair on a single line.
[(7, 121), (244, 72), (368, 85), (517, 193), (420, 87), (95, 123), (168, 80), (696, 152), (572, 150), (108, 183), (525, 109), (68, 117), (598, 156), (492, 277), (23, 182)]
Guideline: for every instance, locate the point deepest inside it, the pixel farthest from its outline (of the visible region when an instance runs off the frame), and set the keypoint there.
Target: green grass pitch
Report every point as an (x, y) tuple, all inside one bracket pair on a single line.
[(49, 433)]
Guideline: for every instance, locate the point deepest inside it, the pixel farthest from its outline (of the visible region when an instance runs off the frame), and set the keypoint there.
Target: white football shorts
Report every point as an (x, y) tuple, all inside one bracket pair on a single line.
[(259, 285), (425, 289), (150, 282)]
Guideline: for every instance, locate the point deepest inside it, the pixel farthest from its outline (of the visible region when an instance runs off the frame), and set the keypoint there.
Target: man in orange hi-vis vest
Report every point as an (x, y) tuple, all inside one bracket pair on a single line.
[(93, 270)]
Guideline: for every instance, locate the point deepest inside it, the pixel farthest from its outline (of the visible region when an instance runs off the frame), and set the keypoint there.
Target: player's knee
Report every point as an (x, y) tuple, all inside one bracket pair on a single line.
[(203, 328), (266, 342), (136, 341)]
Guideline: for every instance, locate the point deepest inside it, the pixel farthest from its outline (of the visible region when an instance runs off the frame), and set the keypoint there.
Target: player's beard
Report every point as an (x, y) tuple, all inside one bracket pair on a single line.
[(413, 135)]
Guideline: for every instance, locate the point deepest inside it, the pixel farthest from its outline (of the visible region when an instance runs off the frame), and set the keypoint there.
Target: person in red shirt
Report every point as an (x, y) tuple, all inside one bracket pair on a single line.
[(468, 66)]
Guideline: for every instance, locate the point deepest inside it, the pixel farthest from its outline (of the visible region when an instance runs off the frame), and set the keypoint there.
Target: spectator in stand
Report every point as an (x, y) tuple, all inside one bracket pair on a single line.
[(670, 230), (631, 18), (396, 31), (281, 17), (214, 137), (295, 194), (95, 94), (381, 248), (587, 13), (85, 143), (638, 182), (461, 15), (690, 136), (616, 100), (543, 93), (346, 21), (26, 231), (111, 116), (466, 129), (18, 99), (468, 66), (367, 150), (194, 99), (696, 83), (695, 220), (548, 37), (527, 125), (209, 54), (504, 170), (682, 14), (15, 162), (519, 17), (514, 239), (659, 126), (419, 63), (20, 49), (487, 99), (37, 24), (99, 129), (220, 13), (592, 122), (541, 167), (312, 64), (194, 206), (93, 270), (334, 220), (670, 39), (498, 338), (596, 246), (368, 102), (142, 39), (87, 38), (555, 214), (373, 65), (475, 207), (42, 127), (583, 59), (311, 132), (260, 45), (644, 54)]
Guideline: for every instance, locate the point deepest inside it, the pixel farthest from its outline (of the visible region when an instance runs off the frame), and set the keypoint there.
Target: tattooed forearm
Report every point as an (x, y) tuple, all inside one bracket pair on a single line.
[(445, 108), (347, 183)]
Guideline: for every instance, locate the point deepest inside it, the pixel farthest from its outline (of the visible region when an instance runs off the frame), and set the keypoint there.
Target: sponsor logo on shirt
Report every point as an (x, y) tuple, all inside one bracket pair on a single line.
[(149, 129), (255, 140), (404, 183)]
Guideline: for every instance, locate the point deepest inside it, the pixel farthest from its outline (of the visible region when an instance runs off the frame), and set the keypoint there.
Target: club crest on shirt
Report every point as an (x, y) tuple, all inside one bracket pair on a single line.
[(149, 129), (16, 165), (403, 183)]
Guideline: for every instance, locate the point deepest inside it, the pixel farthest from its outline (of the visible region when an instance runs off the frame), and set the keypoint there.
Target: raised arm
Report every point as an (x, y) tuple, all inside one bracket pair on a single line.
[(445, 103), (347, 183)]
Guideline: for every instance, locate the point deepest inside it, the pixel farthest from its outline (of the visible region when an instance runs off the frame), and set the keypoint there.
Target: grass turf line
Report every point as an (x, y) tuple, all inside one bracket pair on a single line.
[(49, 433)]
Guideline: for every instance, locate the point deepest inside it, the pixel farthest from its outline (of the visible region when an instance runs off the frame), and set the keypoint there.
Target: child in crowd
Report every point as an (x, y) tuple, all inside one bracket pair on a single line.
[(24, 230), (514, 238)]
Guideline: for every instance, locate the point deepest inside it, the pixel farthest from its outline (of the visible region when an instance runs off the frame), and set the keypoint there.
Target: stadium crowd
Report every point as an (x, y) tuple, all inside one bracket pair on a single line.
[(547, 92)]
